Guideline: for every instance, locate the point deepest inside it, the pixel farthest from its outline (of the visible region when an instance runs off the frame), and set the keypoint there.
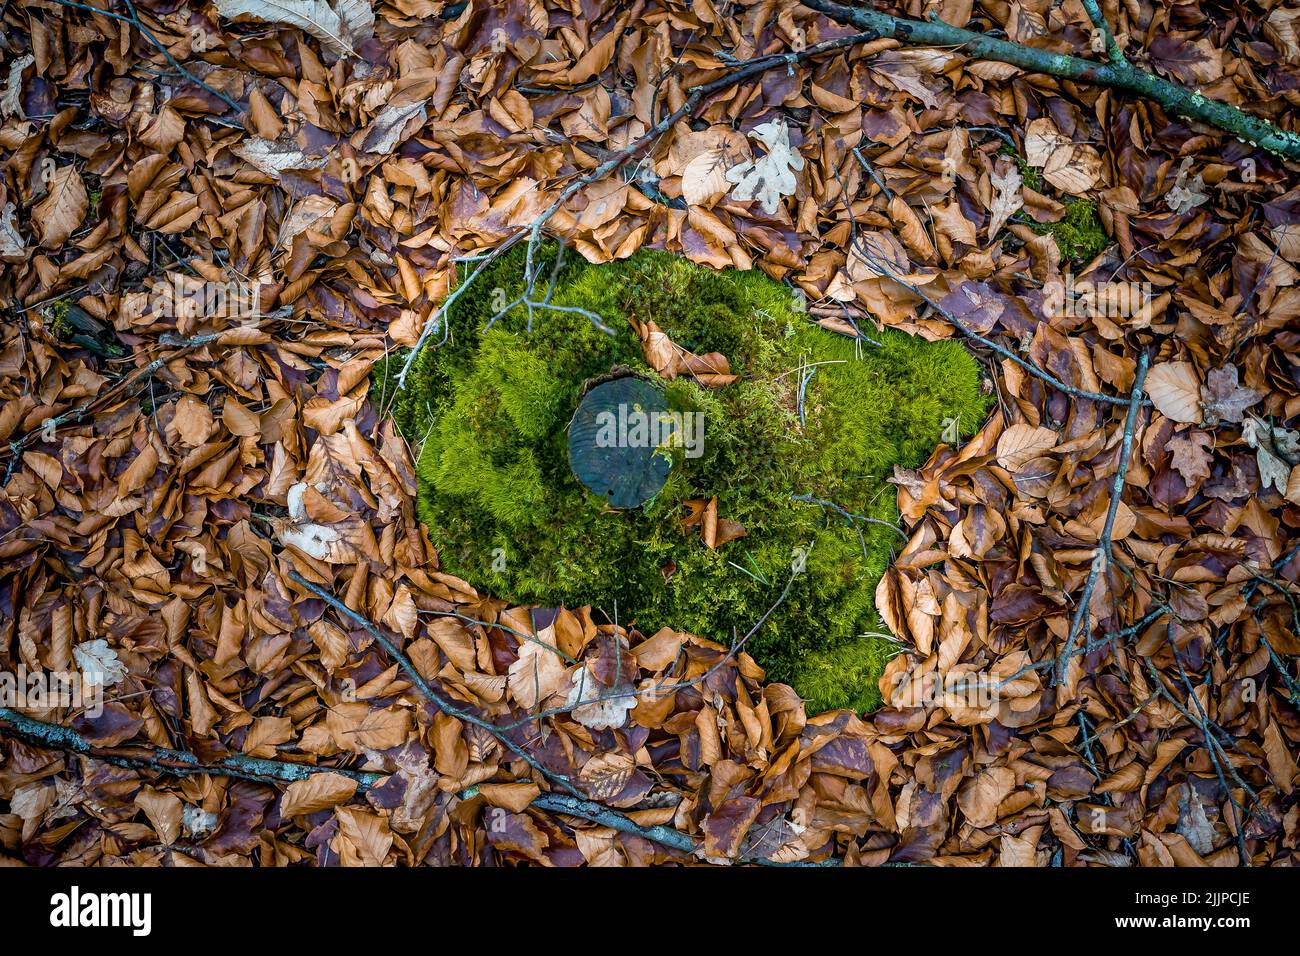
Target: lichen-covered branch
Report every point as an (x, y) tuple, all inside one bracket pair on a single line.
[(177, 763), (1118, 74)]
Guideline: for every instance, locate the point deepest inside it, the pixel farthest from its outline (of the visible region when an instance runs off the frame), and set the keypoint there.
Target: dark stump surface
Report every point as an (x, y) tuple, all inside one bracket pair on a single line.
[(613, 446)]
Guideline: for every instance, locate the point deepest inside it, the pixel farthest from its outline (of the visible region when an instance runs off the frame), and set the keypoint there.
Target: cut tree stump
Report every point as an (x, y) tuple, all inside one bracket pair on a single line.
[(613, 448)]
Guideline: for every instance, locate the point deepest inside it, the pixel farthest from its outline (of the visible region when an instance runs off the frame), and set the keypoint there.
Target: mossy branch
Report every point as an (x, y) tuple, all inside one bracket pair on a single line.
[(176, 763), (1117, 73)]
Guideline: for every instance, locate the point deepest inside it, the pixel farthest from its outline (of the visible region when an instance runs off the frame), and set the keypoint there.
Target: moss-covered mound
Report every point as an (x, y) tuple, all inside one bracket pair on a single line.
[(489, 411)]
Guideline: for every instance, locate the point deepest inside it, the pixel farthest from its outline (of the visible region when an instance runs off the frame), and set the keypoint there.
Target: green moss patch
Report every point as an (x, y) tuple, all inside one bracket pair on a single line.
[(1079, 235), (488, 413)]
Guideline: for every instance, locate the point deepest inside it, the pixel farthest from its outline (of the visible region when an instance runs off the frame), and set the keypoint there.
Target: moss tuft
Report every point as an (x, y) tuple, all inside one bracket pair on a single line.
[(1079, 235), (489, 412), (57, 312)]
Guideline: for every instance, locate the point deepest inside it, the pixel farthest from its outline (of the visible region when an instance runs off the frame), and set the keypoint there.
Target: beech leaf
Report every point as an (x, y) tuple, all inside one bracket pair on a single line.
[(63, 208), (1222, 399), (1175, 391)]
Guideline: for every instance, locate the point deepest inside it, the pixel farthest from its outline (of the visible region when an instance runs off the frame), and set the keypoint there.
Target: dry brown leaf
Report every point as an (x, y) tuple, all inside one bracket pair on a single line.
[(1175, 391), (1022, 443), (62, 210), (319, 791)]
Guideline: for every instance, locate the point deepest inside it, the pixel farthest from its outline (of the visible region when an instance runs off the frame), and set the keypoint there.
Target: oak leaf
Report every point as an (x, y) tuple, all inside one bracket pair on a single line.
[(1191, 455), (1007, 197), (770, 178), (1222, 399)]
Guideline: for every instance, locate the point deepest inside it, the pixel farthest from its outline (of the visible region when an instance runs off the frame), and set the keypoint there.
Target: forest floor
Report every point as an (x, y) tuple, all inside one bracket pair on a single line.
[(207, 514)]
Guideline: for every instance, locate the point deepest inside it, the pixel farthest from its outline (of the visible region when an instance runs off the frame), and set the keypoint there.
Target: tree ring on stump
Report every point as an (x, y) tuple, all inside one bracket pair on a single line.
[(613, 449)]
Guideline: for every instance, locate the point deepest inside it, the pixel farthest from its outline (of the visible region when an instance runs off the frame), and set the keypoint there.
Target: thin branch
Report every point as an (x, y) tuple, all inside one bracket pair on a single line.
[(664, 836), (886, 269), (1104, 553), (441, 702), (177, 763), (180, 763), (849, 515), (1218, 756), (696, 96), (1291, 685), (871, 171), (140, 375)]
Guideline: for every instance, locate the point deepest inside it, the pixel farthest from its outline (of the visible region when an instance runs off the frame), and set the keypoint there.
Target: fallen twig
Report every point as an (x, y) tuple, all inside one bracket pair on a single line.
[(141, 374), (177, 763), (1218, 756), (443, 704), (134, 20), (664, 836), (849, 515), (1102, 559), (886, 270)]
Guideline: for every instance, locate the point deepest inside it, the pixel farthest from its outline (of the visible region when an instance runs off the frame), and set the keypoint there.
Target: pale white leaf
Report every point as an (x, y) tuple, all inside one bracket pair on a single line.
[(12, 245), (1188, 191), (392, 126), (99, 664), (273, 158), (605, 708), (1277, 450), (11, 99), (338, 29), (1007, 196), (770, 178)]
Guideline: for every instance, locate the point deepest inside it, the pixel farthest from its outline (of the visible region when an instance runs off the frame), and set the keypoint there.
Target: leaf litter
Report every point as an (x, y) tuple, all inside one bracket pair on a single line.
[(174, 477)]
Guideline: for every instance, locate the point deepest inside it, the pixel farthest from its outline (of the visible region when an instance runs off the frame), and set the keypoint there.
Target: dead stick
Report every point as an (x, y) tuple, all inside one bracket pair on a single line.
[(1102, 558), (178, 763)]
